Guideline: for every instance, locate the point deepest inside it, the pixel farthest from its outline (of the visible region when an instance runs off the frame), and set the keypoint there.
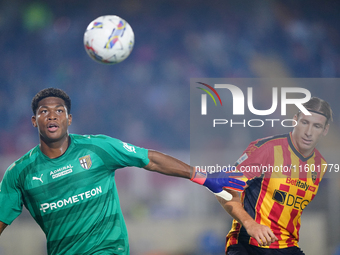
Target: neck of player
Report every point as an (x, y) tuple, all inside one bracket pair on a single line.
[(55, 148)]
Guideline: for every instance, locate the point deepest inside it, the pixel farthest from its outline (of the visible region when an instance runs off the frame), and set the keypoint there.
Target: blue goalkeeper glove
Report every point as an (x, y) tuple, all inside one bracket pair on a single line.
[(215, 182)]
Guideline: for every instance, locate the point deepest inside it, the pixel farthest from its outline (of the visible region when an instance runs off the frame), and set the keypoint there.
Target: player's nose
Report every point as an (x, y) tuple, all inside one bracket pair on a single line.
[(52, 116), (308, 130)]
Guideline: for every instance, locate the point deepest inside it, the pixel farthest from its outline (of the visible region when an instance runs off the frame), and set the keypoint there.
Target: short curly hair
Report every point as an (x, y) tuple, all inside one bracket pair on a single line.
[(50, 92)]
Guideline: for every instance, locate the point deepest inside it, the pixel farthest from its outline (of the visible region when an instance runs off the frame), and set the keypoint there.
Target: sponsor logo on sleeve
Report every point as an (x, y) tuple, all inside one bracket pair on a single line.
[(129, 148), (241, 159)]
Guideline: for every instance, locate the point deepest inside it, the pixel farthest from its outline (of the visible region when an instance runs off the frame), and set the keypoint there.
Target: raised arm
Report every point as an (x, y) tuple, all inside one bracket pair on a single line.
[(263, 234), (2, 226)]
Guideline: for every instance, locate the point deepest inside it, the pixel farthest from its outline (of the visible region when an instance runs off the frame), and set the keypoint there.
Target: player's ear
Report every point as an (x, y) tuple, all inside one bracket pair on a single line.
[(296, 119), (325, 131), (69, 119), (34, 121)]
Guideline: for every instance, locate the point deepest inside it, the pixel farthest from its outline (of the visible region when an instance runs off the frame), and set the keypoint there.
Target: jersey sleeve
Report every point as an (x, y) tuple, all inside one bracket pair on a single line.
[(124, 154), (10, 197), (252, 161)]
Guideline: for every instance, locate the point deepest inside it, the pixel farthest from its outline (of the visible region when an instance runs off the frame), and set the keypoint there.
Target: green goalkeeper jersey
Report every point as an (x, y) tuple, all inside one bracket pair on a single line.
[(73, 198)]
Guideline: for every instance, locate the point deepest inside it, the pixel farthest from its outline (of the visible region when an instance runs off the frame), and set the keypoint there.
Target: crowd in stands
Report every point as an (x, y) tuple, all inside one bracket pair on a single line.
[(145, 99)]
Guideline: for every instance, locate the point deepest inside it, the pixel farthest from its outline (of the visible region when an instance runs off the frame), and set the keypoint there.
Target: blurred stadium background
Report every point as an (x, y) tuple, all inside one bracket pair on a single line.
[(145, 100)]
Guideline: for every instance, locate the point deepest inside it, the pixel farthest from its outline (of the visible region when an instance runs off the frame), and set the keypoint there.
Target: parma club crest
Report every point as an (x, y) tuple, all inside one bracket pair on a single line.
[(85, 162)]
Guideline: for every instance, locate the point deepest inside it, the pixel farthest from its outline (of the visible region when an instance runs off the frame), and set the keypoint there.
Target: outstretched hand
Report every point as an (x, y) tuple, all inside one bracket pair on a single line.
[(217, 182)]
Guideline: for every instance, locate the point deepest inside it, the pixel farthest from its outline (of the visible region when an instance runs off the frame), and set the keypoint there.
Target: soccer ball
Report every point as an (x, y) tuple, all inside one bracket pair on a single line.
[(109, 39)]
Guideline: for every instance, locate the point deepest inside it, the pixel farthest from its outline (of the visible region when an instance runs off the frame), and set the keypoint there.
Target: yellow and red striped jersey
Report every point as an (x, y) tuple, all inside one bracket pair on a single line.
[(282, 182)]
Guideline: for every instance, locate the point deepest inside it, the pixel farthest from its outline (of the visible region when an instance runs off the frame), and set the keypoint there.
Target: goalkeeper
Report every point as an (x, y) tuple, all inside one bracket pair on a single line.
[(67, 182)]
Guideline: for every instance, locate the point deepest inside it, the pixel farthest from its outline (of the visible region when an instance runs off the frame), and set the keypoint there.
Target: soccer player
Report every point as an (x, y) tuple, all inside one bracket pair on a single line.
[(67, 182), (283, 173)]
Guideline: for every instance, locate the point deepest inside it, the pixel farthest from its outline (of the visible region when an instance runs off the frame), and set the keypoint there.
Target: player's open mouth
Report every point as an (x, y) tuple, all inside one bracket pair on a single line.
[(52, 127)]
